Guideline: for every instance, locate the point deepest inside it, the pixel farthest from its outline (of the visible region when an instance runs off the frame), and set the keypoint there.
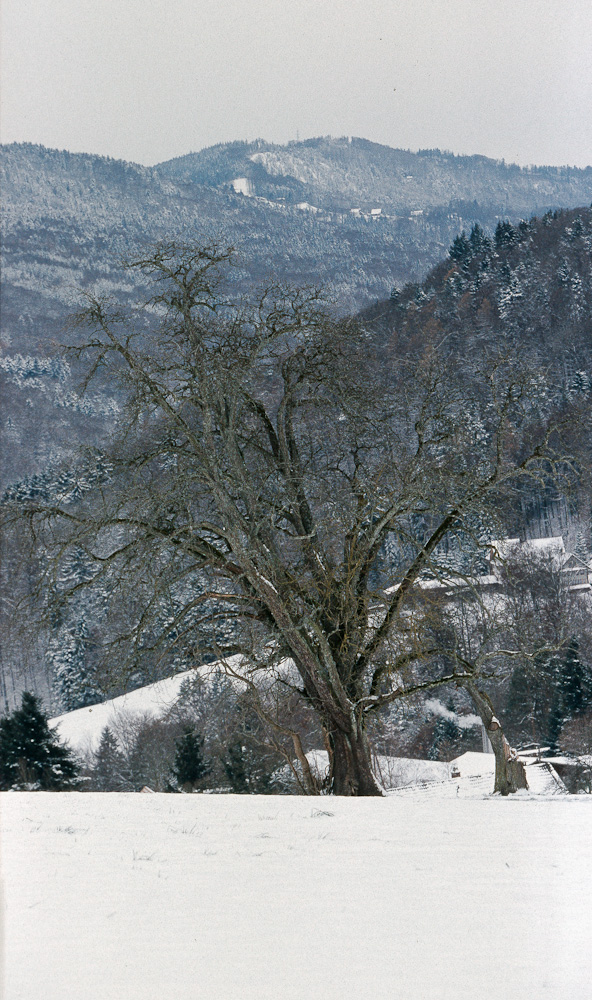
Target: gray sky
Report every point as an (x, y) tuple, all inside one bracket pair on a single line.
[(150, 79)]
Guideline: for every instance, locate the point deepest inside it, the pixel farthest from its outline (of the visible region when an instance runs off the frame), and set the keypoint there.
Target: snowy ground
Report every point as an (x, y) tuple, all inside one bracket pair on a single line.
[(205, 897)]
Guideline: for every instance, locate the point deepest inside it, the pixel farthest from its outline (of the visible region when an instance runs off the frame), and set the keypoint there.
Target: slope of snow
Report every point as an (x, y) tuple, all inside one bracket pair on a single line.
[(178, 897), (392, 772), (242, 185), (82, 728), (473, 763)]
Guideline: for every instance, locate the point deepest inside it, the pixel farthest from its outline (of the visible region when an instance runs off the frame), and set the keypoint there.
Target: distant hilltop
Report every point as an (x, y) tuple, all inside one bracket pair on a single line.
[(350, 174)]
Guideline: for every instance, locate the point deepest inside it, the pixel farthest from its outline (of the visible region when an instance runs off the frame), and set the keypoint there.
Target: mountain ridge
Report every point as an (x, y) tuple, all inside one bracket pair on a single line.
[(70, 218), (439, 177)]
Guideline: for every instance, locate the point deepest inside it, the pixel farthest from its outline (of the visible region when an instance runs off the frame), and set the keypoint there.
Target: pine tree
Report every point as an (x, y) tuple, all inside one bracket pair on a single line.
[(447, 736), (74, 683), (110, 772), (581, 547), (573, 691), (478, 241), (460, 249), (246, 770), (556, 721), (505, 234), (534, 701), (572, 682), (189, 766), (69, 649), (31, 755)]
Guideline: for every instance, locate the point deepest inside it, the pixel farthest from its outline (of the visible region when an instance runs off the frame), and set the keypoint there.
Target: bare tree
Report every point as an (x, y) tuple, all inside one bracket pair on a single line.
[(518, 619), (268, 454)]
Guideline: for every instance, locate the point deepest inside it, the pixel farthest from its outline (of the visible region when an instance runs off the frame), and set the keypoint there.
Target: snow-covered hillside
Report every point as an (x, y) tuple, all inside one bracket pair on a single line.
[(349, 171), (82, 729), (164, 897)]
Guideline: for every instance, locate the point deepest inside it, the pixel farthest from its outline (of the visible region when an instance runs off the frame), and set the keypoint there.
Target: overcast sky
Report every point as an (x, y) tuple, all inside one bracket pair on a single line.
[(150, 79)]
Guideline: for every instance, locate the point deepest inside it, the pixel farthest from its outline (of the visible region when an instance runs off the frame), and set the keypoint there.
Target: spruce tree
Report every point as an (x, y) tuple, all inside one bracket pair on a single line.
[(556, 720), (478, 241), (447, 736), (572, 681), (110, 772), (460, 248), (505, 234), (247, 771), (70, 649), (573, 691), (189, 766), (73, 680), (31, 755), (534, 701)]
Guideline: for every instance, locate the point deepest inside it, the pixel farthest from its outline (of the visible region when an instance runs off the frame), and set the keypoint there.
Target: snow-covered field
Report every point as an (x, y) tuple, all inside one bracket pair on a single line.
[(206, 897)]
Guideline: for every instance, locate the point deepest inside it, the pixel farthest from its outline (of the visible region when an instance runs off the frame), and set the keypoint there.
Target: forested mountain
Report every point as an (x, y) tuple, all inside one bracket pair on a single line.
[(525, 292), (527, 288), (350, 173), (68, 219)]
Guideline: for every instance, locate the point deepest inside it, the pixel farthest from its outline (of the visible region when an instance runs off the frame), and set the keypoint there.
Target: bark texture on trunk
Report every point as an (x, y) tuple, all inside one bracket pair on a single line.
[(350, 764), (310, 782), (510, 774)]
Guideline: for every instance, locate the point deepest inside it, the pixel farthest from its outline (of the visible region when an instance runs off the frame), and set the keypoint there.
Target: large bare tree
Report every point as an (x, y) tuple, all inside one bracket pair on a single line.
[(268, 454)]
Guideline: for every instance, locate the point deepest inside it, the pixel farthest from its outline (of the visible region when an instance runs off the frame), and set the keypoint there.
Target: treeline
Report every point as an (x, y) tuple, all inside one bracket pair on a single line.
[(211, 739), (527, 287)]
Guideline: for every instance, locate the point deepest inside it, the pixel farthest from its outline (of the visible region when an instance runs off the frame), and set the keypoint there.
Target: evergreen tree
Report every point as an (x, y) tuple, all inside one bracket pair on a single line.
[(478, 241), (247, 771), (447, 736), (190, 766), (505, 234), (581, 547), (573, 682), (460, 249), (31, 755), (73, 682), (70, 649), (533, 700), (110, 772), (573, 691), (556, 721)]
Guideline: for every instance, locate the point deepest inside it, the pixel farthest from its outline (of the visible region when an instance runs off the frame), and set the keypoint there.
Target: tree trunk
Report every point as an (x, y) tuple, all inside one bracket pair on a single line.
[(350, 764), (310, 783), (510, 774)]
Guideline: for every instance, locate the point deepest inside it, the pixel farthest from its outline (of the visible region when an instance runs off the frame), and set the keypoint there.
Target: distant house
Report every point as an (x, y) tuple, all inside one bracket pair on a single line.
[(575, 571), (472, 774), (305, 207)]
